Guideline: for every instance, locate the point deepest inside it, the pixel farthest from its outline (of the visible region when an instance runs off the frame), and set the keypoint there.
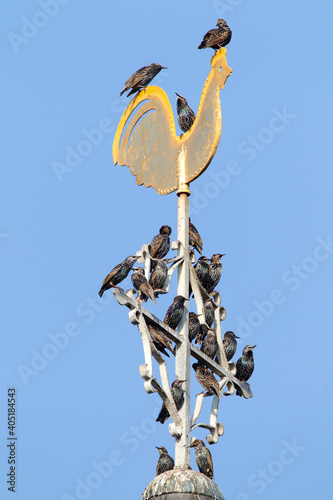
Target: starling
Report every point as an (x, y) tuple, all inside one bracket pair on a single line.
[(185, 114), (209, 312), (209, 344), (217, 37), (203, 458), (160, 244), (214, 273), (159, 275), (230, 344), (141, 78), (118, 274), (206, 379), (245, 364), (193, 326), (195, 239), (175, 312), (202, 269), (178, 397), (141, 284), (165, 462), (160, 340), (209, 319)]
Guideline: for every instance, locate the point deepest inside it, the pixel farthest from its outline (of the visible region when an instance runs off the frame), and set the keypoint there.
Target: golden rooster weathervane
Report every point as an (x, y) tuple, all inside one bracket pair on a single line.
[(146, 139)]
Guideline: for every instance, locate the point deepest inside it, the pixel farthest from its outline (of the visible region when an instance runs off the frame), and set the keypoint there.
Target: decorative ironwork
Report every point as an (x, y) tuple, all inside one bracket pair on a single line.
[(226, 371)]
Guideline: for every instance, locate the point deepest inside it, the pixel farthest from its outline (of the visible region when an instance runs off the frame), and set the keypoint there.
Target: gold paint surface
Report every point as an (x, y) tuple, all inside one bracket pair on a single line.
[(146, 139)]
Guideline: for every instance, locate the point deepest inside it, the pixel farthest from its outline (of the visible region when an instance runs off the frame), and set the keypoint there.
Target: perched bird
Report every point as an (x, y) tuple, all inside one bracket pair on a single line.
[(160, 244), (175, 312), (118, 274), (217, 37), (214, 272), (208, 309), (185, 114), (141, 284), (201, 268), (209, 312), (165, 462), (193, 326), (203, 458), (230, 344), (178, 397), (245, 364), (141, 78), (160, 340), (209, 344), (195, 239), (206, 379), (159, 275)]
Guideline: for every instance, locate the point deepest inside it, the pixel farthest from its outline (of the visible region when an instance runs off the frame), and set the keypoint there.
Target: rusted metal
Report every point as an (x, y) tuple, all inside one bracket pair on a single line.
[(182, 484)]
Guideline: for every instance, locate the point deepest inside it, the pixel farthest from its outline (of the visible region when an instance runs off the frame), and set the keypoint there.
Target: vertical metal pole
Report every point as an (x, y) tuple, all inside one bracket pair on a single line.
[(183, 356)]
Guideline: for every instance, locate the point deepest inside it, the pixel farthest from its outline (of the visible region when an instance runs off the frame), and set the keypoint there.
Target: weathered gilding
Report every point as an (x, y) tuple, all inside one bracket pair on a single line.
[(182, 484), (146, 139)]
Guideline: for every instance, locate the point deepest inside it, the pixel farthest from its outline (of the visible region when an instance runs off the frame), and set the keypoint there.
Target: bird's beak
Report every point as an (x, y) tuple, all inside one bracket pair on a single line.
[(253, 346), (236, 337), (164, 67)]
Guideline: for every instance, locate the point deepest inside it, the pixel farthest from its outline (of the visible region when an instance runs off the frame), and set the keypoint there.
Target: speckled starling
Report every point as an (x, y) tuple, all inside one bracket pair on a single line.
[(209, 344), (165, 462), (141, 78), (230, 344), (245, 364), (178, 397), (217, 37), (175, 312), (159, 275), (185, 114), (193, 326), (118, 274), (206, 379), (195, 239), (160, 244), (201, 268), (203, 458), (141, 284), (214, 273), (160, 340)]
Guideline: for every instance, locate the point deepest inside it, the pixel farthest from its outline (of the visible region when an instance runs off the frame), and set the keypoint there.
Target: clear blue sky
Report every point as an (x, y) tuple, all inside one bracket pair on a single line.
[(64, 64)]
